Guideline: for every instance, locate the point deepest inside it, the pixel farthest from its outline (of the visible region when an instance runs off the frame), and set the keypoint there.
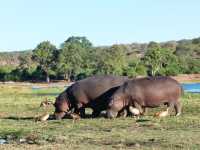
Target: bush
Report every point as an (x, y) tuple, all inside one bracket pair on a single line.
[(15, 75), (38, 74), (135, 68), (4, 70)]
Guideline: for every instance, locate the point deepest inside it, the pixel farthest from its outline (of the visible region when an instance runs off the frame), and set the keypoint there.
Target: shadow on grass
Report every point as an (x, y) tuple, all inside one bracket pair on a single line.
[(28, 118), (90, 116), (51, 117), (143, 120), (19, 118)]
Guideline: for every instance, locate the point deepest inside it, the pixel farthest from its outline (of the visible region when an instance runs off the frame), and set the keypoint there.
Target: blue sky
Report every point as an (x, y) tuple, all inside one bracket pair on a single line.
[(25, 23)]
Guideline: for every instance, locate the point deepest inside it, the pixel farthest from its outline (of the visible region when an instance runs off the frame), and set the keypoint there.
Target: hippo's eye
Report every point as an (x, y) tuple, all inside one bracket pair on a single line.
[(116, 97)]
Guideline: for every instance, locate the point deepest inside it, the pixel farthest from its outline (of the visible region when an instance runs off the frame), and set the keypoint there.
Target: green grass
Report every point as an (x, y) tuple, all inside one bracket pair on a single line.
[(20, 104)]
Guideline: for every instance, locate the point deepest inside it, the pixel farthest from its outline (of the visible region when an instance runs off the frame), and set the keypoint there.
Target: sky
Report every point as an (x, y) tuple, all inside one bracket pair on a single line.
[(26, 23)]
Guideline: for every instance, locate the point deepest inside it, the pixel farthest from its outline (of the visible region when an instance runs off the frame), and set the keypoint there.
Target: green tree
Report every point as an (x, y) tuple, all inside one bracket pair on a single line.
[(170, 45), (188, 65), (159, 60), (74, 56), (25, 61), (153, 59), (44, 54), (79, 40), (188, 52), (135, 67), (111, 60), (153, 45)]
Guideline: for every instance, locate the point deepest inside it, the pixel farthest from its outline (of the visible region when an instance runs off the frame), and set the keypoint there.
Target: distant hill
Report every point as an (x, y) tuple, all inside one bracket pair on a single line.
[(12, 58), (189, 47)]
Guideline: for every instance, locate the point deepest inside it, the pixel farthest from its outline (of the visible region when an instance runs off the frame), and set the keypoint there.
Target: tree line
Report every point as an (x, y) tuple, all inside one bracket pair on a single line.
[(77, 58)]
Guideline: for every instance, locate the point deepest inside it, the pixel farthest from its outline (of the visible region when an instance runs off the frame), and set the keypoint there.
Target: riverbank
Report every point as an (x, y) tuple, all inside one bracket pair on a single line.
[(19, 106), (187, 78), (183, 78)]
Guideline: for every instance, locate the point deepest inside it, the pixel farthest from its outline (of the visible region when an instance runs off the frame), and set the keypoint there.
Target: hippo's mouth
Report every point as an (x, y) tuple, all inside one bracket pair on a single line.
[(62, 114), (59, 115)]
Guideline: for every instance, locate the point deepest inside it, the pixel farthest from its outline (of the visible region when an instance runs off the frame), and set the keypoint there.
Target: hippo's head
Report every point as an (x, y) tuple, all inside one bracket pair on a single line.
[(116, 104), (62, 106)]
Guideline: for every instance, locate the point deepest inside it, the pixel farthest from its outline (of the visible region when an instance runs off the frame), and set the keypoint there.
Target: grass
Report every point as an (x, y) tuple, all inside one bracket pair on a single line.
[(20, 104)]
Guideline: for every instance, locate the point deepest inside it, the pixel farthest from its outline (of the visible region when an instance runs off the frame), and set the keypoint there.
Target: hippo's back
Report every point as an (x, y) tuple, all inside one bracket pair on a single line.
[(155, 89), (95, 86)]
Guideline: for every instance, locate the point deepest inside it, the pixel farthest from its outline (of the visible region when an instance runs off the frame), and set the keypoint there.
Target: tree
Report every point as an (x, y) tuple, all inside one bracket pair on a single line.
[(79, 40), (188, 52), (158, 60), (170, 45), (170, 63), (153, 45), (153, 59), (25, 61), (111, 60), (73, 56), (196, 41), (44, 54), (135, 67)]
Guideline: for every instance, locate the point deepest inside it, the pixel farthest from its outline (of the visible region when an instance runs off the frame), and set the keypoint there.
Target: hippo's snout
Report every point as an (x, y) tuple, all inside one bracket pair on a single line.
[(59, 115), (111, 114)]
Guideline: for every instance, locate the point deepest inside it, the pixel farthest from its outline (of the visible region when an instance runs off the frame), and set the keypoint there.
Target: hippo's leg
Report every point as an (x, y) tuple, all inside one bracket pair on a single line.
[(170, 106), (111, 114), (138, 107), (145, 110), (177, 107), (95, 113), (80, 111), (123, 113), (128, 112)]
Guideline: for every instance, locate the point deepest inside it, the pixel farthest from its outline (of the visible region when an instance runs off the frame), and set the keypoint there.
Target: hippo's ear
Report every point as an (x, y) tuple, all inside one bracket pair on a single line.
[(54, 104), (125, 89)]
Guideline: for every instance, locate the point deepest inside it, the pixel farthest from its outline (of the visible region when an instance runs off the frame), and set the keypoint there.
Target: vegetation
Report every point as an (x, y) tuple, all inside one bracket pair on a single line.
[(77, 58), (110, 60), (161, 61), (44, 54), (73, 56), (20, 104)]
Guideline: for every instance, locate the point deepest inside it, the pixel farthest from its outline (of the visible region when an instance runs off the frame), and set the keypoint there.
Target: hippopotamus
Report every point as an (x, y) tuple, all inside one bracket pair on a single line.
[(93, 92), (146, 92)]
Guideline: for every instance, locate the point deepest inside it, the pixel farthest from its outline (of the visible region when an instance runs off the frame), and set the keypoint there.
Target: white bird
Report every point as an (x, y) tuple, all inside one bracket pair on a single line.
[(42, 118), (162, 113), (134, 111)]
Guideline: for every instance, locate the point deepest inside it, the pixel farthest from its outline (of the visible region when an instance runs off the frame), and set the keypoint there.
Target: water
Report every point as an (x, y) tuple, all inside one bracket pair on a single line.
[(191, 87), (3, 141), (188, 87)]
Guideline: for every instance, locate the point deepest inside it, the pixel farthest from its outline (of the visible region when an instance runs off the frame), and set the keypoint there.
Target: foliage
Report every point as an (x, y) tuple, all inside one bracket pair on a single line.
[(161, 61), (73, 56), (44, 54), (5, 71), (25, 62), (135, 67), (77, 58), (111, 60)]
